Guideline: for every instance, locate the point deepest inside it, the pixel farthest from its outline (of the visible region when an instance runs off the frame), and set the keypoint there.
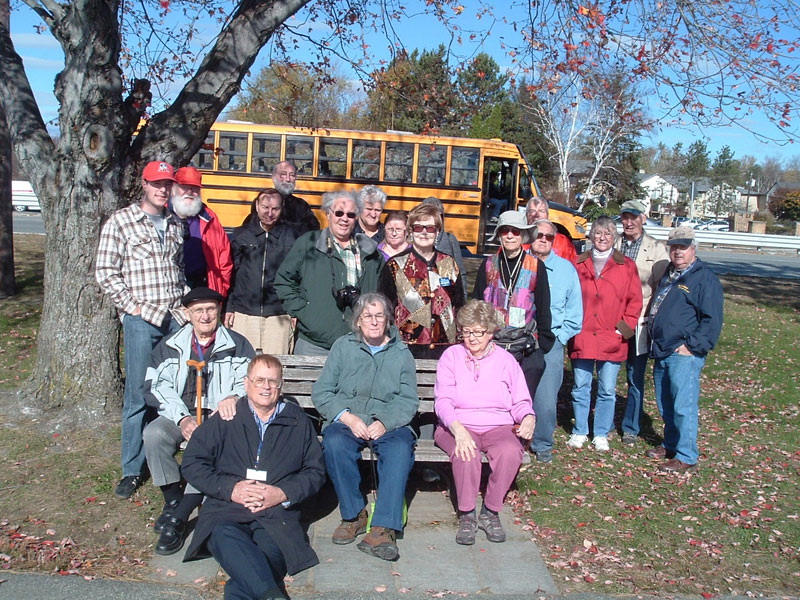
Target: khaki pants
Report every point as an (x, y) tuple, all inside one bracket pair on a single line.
[(268, 335)]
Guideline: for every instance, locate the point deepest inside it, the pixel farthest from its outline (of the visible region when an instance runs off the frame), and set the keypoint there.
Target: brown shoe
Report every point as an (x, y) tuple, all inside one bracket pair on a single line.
[(347, 531), (380, 542), (659, 452), (673, 465)]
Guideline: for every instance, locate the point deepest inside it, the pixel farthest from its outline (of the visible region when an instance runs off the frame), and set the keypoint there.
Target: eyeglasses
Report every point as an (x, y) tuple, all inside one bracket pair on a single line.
[(260, 382), (396, 231), (603, 234), (425, 228), (505, 230), (545, 236), (286, 175), (341, 213), (473, 333), (379, 318), (211, 310)]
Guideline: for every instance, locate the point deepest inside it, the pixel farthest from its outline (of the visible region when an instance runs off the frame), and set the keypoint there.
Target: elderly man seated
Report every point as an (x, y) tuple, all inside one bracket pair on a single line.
[(221, 357), (255, 471)]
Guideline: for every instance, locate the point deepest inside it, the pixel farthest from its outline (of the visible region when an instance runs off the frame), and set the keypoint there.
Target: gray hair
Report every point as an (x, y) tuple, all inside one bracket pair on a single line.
[(478, 312), (435, 202), (539, 200), (370, 194), (535, 230), (604, 223), (328, 198), (283, 162), (365, 300)]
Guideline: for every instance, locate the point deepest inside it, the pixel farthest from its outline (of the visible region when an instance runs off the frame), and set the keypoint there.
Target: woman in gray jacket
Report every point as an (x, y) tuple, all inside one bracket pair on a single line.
[(367, 396)]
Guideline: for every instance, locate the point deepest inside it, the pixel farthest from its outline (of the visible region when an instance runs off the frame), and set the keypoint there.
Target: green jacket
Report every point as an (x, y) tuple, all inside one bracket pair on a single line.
[(310, 273), (380, 387)]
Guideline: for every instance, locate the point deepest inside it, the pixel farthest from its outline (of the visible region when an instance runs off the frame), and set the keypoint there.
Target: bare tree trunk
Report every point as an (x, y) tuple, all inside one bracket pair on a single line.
[(8, 285)]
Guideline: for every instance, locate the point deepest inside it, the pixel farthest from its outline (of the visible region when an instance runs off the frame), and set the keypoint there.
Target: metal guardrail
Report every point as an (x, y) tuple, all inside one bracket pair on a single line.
[(717, 239)]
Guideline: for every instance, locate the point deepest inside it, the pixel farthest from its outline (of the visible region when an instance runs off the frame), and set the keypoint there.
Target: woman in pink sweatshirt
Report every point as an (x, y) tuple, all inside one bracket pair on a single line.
[(483, 405)]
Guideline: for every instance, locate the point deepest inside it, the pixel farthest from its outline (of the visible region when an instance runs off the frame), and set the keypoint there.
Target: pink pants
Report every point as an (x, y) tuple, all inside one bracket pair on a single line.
[(504, 451)]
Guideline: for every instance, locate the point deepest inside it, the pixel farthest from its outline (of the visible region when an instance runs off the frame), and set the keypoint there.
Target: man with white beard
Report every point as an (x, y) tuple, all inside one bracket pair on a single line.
[(296, 212), (206, 249)]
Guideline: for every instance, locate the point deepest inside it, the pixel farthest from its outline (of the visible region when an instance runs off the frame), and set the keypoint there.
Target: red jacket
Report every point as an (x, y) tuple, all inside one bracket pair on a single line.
[(217, 250), (564, 247), (611, 304)]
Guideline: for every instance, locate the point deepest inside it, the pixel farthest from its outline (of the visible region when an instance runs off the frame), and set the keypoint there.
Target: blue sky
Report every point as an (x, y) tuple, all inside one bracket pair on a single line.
[(43, 59)]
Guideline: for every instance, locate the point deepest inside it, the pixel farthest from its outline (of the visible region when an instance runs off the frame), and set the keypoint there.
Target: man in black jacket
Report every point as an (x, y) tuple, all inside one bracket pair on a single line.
[(296, 211), (254, 471), (259, 247)]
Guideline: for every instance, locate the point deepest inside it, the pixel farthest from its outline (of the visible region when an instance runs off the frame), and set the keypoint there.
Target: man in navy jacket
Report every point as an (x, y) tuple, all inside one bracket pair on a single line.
[(685, 323), (255, 470)]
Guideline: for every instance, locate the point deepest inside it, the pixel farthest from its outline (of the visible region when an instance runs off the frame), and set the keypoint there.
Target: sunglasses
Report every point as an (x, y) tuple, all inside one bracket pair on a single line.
[(545, 236), (341, 213), (505, 230), (425, 228)]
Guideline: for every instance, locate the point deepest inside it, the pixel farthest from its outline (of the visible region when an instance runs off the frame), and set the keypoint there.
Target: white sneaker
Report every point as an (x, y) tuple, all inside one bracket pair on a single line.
[(577, 441), (600, 443)]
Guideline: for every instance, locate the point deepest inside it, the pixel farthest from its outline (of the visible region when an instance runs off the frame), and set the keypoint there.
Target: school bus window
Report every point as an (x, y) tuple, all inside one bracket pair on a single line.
[(233, 151), (524, 188), (300, 151), (399, 162), (366, 159), (432, 161), (464, 166), (204, 159), (266, 153), (332, 161)]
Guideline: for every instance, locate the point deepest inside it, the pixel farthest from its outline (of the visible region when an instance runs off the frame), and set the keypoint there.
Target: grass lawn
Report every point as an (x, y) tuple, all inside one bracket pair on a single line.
[(604, 522)]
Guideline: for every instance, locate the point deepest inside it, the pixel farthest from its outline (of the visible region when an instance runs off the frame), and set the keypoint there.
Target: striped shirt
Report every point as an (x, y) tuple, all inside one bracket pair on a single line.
[(136, 270)]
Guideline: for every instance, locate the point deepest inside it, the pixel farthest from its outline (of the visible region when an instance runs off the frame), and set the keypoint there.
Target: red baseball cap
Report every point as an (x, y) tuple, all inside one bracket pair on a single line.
[(158, 171), (189, 176)]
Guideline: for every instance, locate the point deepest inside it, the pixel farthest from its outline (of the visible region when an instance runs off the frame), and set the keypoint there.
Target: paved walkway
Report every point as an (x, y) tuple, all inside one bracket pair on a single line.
[(431, 564)]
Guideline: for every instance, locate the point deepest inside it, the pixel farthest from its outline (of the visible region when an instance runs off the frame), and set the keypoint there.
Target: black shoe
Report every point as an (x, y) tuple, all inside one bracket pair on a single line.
[(127, 485), (545, 456), (173, 535), (169, 509), (629, 439)]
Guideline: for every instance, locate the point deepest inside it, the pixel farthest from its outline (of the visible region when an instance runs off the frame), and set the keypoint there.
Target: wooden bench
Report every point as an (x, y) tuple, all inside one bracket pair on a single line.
[(299, 372)]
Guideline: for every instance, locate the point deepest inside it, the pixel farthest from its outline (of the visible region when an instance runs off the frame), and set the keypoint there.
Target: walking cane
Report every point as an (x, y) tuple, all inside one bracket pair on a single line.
[(198, 366)]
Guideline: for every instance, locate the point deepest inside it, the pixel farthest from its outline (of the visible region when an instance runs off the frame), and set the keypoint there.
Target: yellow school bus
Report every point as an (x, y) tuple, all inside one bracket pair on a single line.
[(237, 160)]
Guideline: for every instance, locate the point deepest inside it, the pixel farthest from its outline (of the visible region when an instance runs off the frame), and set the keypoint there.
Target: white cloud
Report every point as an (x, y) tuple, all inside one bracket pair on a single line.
[(33, 62), (34, 40)]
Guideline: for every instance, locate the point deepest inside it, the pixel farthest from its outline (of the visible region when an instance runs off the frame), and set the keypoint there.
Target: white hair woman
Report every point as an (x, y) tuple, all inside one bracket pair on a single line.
[(373, 201), (367, 395), (612, 301), (323, 274)]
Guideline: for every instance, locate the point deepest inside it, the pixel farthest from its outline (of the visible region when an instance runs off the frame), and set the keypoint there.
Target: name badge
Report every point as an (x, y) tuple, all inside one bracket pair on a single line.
[(444, 281), (256, 475)]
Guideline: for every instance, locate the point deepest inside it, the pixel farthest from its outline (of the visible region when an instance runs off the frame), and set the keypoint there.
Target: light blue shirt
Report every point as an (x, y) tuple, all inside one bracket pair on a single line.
[(566, 303)]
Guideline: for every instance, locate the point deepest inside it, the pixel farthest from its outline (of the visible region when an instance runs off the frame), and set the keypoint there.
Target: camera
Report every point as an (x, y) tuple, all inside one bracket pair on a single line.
[(346, 296)]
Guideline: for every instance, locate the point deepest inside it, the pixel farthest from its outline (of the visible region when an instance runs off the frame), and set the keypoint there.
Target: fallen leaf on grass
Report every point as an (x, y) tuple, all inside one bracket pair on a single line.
[(380, 588), (171, 573)]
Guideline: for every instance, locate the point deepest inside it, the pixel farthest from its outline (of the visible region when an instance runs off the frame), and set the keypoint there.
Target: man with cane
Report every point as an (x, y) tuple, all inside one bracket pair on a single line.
[(192, 374)]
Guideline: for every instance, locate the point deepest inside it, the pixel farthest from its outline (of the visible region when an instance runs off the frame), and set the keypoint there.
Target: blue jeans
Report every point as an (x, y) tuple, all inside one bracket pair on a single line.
[(252, 559), (636, 367), (140, 337), (582, 369), (546, 399), (395, 453), (497, 206), (677, 382)]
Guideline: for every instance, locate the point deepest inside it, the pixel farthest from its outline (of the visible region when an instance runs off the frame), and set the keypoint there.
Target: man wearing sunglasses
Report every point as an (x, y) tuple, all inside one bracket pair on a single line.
[(324, 273), (566, 313)]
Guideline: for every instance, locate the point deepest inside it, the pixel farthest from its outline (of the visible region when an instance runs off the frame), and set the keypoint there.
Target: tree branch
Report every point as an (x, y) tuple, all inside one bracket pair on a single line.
[(28, 132), (178, 132)]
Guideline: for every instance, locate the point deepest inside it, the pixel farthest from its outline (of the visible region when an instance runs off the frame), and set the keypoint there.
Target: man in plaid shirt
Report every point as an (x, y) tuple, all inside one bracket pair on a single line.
[(140, 266)]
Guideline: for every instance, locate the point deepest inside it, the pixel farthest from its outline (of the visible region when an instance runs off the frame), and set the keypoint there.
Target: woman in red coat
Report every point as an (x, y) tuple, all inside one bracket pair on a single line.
[(612, 301)]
